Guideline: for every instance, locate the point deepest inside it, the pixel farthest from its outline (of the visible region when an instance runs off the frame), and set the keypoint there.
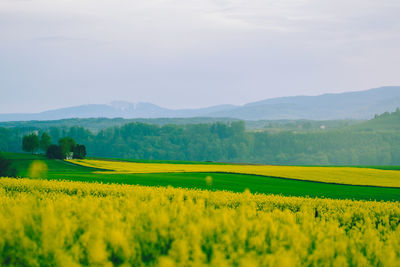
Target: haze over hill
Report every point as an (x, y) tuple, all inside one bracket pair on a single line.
[(351, 105)]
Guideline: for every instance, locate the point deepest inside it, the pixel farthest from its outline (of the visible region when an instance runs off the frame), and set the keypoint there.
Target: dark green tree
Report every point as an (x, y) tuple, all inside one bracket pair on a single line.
[(54, 152), (66, 144), (79, 151), (30, 143), (45, 141)]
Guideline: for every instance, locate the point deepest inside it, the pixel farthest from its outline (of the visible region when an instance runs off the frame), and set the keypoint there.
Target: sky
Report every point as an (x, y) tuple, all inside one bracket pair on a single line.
[(192, 53)]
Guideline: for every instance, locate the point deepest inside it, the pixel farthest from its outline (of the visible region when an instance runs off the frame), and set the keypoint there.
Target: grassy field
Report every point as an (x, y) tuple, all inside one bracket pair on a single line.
[(378, 167), (110, 218), (22, 162), (161, 161), (55, 223), (61, 170), (337, 175)]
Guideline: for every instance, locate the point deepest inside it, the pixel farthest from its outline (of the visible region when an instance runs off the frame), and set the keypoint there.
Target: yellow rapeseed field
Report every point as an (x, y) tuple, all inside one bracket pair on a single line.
[(59, 223), (340, 175)]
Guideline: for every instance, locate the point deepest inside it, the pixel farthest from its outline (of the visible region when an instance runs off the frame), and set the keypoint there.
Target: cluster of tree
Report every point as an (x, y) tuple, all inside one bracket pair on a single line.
[(388, 114), (97, 124), (231, 143), (32, 143), (66, 148), (226, 142)]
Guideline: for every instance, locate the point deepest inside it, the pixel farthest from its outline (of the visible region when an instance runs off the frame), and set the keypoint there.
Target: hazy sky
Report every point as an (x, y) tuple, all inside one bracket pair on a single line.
[(192, 53)]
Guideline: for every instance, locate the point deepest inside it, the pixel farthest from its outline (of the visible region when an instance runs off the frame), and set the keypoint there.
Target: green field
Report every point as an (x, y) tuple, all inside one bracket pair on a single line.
[(382, 167), (162, 161), (60, 170)]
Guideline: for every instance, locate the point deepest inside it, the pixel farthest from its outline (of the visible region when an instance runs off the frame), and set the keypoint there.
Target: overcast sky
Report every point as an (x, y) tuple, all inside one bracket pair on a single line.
[(192, 53)]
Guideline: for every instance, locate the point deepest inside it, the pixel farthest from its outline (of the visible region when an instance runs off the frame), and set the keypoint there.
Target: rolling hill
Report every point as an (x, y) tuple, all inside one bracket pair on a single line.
[(384, 122), (351, 105)]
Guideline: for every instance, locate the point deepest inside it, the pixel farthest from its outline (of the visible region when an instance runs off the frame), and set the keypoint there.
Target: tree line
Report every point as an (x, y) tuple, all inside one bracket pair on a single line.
[(226, 142), (66, 148)]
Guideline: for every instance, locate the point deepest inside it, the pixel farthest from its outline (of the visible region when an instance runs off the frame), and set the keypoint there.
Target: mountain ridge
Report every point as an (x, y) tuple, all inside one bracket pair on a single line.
[(349, 105)]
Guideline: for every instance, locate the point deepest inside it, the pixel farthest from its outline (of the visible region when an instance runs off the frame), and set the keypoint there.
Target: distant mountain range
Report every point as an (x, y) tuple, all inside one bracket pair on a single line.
[(351, 105)]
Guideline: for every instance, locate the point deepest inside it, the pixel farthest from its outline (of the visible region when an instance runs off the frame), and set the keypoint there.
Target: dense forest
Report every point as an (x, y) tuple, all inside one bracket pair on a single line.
[(230, 142), (97, 124)]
